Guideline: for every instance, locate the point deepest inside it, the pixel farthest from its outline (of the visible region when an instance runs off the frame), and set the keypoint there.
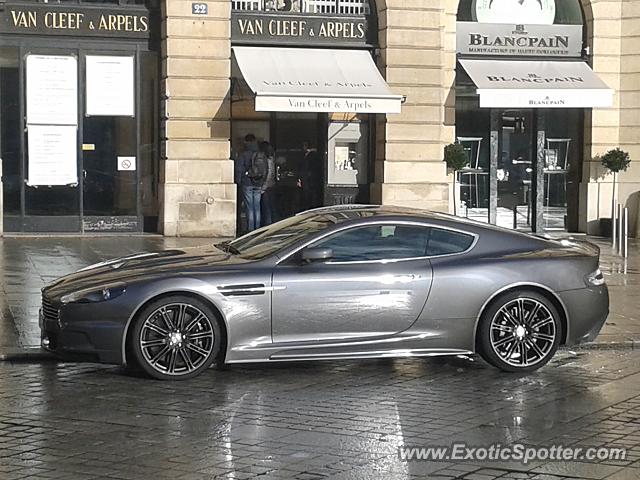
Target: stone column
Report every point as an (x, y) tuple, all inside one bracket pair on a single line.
[(197, 193), (417, 60)]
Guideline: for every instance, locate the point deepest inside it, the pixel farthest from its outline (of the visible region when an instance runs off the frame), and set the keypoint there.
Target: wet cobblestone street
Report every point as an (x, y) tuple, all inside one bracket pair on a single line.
[(338, 420)]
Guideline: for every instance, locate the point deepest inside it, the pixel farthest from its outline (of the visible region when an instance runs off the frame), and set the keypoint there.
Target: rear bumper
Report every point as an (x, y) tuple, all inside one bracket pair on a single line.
[(587, 311)]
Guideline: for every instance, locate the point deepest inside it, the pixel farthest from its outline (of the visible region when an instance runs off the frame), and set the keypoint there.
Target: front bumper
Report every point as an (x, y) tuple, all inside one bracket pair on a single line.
[(587, 310), (80, 333)]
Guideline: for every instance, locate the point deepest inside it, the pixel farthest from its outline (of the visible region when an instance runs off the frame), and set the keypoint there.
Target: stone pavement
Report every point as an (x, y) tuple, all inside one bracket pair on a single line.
[(324, 420), (28, 263)]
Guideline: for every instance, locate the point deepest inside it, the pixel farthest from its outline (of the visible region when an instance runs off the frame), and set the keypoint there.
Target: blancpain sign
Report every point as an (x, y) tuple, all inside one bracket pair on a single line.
[(519, 40)]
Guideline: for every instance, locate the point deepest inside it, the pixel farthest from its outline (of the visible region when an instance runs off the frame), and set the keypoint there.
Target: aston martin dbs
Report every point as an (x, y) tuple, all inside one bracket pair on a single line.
[(340, 282)]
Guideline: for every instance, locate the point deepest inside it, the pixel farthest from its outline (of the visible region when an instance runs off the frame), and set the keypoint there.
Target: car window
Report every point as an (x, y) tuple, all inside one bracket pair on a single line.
[(446, 242), (377, 242), (266, 241)]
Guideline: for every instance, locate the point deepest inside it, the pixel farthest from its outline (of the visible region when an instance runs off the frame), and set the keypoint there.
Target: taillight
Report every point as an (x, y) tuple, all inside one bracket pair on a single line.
[(594, 279)]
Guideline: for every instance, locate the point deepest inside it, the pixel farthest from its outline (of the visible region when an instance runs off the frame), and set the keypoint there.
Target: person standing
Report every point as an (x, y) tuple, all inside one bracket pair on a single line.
[(268, 188), (310, 178), (250, 173)]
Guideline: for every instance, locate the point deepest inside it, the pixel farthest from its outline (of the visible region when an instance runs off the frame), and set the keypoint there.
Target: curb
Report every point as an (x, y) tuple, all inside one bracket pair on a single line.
[(27, 354), (625, 345)]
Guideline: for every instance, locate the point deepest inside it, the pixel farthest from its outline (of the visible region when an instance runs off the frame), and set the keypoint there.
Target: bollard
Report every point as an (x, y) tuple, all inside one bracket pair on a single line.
[(618, 246), (625, 233), (614, 225)]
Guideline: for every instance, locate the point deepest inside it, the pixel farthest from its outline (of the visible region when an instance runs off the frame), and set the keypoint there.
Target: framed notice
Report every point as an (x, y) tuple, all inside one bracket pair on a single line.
[(110, 86), (52, 90), (52, 155)]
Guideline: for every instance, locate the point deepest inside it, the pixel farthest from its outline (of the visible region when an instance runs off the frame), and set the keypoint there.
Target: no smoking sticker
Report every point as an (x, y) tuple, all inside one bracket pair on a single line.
[(127, 164)]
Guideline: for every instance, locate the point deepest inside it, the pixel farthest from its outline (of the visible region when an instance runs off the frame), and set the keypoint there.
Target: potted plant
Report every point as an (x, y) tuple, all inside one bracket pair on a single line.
[(456, 159), (615, 160)]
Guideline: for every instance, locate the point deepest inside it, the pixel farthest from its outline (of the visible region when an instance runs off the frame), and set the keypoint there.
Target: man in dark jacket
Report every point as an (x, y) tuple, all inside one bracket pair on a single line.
[(251, 194), (310, 178)]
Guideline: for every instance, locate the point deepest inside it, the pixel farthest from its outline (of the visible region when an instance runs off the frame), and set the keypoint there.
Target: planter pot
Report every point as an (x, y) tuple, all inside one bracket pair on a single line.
[(605, 227)]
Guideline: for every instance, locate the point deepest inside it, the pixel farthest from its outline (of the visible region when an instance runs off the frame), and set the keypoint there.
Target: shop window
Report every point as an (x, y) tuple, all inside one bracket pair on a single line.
[(567, 12), (10, 129)]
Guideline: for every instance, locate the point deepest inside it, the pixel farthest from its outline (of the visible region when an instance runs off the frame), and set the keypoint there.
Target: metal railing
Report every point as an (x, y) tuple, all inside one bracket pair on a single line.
[(327, 7)]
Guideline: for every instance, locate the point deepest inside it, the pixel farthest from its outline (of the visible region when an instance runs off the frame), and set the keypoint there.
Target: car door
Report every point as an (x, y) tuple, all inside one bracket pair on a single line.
[(376, 284)]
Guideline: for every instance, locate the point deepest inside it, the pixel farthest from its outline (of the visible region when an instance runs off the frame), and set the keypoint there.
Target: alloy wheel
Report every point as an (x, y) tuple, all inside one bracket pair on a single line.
[(523, 332), (176, 339)]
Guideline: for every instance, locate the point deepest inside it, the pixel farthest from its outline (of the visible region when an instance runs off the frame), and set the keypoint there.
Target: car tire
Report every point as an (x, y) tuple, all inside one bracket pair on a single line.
[(519, 332), (176, 338)]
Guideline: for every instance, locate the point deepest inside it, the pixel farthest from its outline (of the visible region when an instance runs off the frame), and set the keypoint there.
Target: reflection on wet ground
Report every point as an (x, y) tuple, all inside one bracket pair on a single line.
[(338, 420)]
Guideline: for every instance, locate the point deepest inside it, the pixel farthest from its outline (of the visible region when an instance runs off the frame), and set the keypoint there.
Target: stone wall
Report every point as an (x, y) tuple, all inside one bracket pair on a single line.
[(409, 168), (197, 194), (614, 41)]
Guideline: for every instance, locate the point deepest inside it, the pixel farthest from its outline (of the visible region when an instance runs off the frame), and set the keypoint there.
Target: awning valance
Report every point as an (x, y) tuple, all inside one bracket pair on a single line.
[(537, 84), (315, 80)]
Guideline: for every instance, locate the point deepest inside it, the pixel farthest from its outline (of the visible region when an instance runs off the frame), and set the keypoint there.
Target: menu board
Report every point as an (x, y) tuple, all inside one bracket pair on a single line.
[(52, 155), (110, 86), (52, 90)]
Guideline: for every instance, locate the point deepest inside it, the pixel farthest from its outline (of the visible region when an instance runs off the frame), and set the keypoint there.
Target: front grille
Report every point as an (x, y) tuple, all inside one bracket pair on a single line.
[(50, 312)]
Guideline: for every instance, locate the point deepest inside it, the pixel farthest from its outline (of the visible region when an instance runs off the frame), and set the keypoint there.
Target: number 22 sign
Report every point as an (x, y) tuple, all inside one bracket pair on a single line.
[(199, 9)]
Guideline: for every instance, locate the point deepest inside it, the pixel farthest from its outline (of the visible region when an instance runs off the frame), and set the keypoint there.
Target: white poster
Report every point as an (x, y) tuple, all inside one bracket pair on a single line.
[(110, 86), (52, 155), (52, 90)]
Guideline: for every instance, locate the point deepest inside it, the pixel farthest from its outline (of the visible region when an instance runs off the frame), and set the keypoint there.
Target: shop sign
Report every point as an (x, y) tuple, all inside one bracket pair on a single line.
[(266, 103), (299, 29), (69, 20), (519, 40)]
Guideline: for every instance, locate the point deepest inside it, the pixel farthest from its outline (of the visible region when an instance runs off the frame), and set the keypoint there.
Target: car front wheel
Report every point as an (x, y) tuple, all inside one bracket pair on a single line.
[(176, 338), (520, 332)]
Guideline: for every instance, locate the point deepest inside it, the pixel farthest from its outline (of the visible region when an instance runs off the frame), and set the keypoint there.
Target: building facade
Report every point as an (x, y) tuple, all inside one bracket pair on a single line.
[(167, 164)]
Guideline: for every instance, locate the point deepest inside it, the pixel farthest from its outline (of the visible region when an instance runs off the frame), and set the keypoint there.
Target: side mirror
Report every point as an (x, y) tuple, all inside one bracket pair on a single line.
[(317, 254)]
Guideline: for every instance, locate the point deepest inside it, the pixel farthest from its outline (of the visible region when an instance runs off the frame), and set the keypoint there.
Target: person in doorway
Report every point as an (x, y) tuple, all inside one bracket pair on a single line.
[(310, 177), (268, 188), (250, 173)]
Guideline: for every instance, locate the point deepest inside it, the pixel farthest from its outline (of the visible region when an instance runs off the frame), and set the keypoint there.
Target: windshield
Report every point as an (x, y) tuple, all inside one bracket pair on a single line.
[(268, 240)]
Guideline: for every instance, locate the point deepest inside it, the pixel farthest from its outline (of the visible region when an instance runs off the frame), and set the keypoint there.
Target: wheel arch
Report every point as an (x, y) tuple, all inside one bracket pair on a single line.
[(541, 289), (185, 293)]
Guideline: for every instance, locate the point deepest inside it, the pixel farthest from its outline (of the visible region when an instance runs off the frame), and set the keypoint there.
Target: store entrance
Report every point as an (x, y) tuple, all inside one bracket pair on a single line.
[(524, 166), (516, 170), (320, 160), (78, 139)]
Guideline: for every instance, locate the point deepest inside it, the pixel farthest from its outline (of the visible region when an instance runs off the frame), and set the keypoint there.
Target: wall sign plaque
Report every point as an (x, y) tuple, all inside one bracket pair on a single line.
[(519, 40), (253, 28), (74, 20)]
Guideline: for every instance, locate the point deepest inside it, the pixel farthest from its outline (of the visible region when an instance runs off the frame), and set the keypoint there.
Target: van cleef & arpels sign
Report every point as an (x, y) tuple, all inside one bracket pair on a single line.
[(74, 20), (519, 40), (278, 28)]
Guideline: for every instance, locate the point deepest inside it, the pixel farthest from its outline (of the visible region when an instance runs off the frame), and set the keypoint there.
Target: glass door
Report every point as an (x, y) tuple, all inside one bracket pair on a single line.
[(110, 160), (49, 151), (515, 170)]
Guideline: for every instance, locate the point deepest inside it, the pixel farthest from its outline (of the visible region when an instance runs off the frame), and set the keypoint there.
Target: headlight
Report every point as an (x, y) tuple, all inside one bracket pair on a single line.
[(92, 295), (594, 279)]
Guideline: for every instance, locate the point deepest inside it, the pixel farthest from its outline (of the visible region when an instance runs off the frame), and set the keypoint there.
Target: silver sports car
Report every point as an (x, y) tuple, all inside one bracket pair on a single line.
[(334, 283)]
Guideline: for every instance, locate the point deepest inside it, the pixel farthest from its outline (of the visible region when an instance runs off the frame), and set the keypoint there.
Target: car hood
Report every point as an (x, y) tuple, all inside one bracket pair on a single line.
[(147, 265)]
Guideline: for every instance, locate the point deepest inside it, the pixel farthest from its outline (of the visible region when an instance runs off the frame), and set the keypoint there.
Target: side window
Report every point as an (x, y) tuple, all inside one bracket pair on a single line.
[(377, 242), (444, 242)]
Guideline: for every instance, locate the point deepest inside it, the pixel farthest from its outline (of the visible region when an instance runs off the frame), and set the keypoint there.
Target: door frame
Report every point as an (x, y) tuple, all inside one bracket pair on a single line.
[(538, 135), (78, 48)]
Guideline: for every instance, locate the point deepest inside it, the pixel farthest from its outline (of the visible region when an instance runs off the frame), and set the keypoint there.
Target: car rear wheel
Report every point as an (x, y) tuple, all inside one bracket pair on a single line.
[(175, 338), (520, 331)]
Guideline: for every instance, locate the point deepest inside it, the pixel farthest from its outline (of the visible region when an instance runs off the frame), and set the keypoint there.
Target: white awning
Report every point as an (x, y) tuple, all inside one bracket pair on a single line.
[(530, 84), (315, 80)]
